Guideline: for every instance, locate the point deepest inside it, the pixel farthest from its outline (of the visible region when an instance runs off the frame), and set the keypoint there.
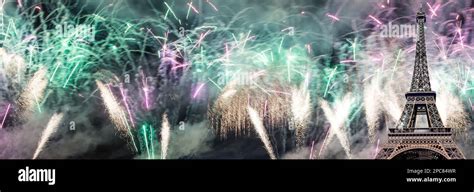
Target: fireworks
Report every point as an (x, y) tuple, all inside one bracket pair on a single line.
[(50, 129), (116, 113), (261, 131), (146, 135), (31, 96), (301, 110), (337, 117), (377, 103), (5, 116), (294, 67), (372, 109), (452, 112), (165, 136), (230, 114), (376, 148), (14, 66), (375, 19)]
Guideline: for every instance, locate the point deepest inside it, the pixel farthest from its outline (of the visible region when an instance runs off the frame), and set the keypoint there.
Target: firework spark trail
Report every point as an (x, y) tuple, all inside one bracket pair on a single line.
[(198, 90), (376, 148), (228, 93), (311, 150), (38, 8), (50, 129), (172, 12), (165, 136), (433, 12), (375, 19), (212, 5), (124, 98), (329, 81), (201, 38), (5, 116), (54, 72), (116, 114), (193, 8), (33, 92), (372, 109), (153, 155), (377, 102), (13, 65), (338, 117), (324, 141), (71, 74), (332, 17), (452, 112), (145, 91), (261, 131), (396, 63), (229, 115), (301, 110), (390, 103), (145, 138)]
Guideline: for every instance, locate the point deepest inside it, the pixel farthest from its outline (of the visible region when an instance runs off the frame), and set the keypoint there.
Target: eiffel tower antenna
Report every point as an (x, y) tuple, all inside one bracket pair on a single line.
[(420, 133), (422, 2)]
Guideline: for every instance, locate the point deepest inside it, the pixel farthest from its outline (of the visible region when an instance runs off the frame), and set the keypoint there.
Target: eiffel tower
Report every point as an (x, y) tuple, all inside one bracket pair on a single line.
[(420, 133)]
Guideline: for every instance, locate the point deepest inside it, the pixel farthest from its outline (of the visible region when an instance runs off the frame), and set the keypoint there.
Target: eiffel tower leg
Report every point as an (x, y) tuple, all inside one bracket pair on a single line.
[(451, 149), (454, 153), (433, 116), (405, 118), (385, 153)]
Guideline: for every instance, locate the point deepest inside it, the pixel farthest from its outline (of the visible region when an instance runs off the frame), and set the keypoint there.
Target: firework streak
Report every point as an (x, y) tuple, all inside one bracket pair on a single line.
[(301, 109), (261, 131), (116, 113), (165, 136), (337, 118), (33, 93), (50, 129)]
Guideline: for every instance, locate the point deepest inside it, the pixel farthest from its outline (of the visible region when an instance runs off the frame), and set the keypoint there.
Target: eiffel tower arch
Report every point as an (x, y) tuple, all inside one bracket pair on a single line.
[(420, 133)]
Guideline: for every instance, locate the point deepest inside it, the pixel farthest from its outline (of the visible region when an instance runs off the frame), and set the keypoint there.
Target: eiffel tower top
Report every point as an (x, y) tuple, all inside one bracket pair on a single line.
[(421, 78), (421, 101)]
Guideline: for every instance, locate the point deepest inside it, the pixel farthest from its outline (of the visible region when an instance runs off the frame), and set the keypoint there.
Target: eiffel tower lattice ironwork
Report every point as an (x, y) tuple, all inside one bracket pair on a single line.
[(420, 133)]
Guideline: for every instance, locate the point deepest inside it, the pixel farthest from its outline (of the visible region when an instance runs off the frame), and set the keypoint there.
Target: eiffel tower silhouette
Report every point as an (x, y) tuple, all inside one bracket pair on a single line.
[(420, 133)]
